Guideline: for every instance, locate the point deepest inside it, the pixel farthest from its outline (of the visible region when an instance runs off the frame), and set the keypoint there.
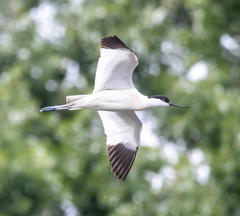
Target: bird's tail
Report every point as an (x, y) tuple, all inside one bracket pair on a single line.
[(71, 104), (73, 101), (54, 108)]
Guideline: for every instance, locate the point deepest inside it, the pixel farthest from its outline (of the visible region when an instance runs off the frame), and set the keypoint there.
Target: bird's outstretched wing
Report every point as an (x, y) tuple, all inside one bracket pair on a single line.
[(122, 129), (115, 65)]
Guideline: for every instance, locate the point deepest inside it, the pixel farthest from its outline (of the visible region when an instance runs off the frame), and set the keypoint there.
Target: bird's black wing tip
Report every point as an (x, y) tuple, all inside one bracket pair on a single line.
[(121, 159), (113, 42)]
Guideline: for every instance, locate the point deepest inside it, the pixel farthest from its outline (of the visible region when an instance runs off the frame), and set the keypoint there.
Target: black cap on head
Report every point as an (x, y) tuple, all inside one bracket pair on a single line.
[(166, 100), (161, 97)]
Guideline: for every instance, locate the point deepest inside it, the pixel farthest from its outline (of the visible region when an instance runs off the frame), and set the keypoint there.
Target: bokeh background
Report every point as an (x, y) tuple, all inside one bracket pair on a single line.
[(55, 163)]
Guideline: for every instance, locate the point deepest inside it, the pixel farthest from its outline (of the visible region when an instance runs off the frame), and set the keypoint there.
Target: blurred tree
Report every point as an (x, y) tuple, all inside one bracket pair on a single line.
[(56, 163)]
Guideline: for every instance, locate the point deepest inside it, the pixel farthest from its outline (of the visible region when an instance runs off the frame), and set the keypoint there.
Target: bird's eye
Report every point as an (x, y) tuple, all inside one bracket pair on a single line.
[(165, 99)]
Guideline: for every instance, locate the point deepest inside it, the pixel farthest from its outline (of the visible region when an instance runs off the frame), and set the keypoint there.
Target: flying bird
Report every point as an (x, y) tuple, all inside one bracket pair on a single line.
[(116, 100)]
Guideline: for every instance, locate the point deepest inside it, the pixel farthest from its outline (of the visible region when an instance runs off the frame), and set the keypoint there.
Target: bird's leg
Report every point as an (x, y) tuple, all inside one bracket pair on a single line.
[(54, 108)]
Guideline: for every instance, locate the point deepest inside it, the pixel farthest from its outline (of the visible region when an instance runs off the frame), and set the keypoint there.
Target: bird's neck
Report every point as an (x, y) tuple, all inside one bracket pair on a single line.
[(153, 102)]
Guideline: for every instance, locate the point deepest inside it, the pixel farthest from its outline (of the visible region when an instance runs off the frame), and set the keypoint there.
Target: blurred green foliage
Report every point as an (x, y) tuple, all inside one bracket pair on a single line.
[(56, 163)]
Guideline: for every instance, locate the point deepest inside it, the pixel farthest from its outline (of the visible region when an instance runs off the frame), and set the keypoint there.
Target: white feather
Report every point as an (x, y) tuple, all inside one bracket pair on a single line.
[(114, 69), (121, 127)]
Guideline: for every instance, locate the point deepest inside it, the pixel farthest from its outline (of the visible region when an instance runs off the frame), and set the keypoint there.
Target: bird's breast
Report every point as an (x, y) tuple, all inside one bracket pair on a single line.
[(114, 100)]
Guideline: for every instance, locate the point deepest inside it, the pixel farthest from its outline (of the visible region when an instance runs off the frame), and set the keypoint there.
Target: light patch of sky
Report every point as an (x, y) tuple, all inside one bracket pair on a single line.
[(5, 39), (198, 72), (23, 54), (36, 73), (47, 27), (76, 3), (154, 69), (5, 78), (168, 172), (16, 117), (238, 138), (51, 85), (100, 12), (196, 157), (167, 47), (223, 105), (176, 64), (148, 137), (138, 197), (69, 209), (156, 181), (170, 152), (173, 55), (159, 15), (202, 173), (201, 170), (166, 175), (72, 76), (137, 46), (230, 44)]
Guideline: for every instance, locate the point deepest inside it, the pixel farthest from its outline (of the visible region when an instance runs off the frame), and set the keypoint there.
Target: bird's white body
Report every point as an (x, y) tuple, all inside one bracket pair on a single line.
[(116, 100), (113, 100)]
